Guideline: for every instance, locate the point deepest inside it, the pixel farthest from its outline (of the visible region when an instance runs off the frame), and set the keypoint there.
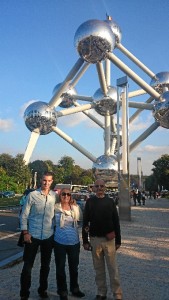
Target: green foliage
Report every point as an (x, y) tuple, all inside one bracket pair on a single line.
[(16, 176), (14, 173), (160, 176)]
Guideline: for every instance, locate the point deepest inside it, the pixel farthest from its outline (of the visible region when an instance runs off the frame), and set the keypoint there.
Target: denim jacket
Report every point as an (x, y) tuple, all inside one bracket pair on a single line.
[(38, 214)]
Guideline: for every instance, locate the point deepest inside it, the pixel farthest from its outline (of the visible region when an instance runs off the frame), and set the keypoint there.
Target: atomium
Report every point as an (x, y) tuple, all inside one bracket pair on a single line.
[(40, 117), (106, 168), (67, 96), (161, 111), (95, 42), (115, 29), (93, 39), (106, 105), (160, 82)]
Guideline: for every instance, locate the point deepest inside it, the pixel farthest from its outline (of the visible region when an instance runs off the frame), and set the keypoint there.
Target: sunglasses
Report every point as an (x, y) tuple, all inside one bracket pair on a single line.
[(99, 185), (66, 194)]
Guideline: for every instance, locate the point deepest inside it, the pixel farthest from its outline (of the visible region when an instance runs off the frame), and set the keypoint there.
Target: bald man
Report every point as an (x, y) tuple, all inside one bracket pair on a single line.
[(101, 233)]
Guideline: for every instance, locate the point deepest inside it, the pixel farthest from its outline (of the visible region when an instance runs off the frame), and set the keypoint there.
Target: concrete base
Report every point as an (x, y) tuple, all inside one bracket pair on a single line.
[(124, 198)]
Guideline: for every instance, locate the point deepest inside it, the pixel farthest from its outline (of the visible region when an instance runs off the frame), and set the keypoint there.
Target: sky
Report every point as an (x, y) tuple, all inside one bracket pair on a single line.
[(37, 52)]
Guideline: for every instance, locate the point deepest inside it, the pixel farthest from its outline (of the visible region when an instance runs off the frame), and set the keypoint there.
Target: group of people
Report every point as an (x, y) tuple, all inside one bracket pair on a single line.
[(138, 197), (50, 223)]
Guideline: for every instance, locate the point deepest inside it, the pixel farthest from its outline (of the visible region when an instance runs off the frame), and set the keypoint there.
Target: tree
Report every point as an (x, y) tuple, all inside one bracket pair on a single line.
[(161, 171), (6, 182), (16, 170), (7, 162), (151, 183), (38, 166), (67, 163)]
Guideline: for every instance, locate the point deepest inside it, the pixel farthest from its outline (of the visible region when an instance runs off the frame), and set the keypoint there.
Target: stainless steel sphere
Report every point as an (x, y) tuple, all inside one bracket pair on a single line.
[(115, 29), (93, 39), (106, 168), (106, 105), (40, 117), (161, 111), (160, 82), (67, 96)]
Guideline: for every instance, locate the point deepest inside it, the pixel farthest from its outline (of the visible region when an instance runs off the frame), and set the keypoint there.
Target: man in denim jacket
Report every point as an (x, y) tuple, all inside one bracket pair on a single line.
[(37, 225)]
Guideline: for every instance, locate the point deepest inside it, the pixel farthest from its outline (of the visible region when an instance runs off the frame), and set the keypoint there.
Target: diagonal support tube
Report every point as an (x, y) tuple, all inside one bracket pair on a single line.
[(114, 59), (55, 101), (144, 135), (135, 60), (74, 144)]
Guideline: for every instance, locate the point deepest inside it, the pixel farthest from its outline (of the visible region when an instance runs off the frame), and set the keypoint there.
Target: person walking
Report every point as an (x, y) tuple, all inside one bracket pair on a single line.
[(67, 244), (37, 225), (101, 232), (143, 197)]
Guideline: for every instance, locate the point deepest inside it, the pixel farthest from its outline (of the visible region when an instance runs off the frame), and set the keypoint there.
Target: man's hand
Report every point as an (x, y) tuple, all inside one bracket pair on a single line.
[(117, 246), (87, 246)]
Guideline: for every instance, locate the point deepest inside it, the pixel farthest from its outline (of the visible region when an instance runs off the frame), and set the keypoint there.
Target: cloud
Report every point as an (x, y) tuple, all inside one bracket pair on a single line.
[(6, 125), (159, 149), (24, 106), (79, 118), (140, 124)]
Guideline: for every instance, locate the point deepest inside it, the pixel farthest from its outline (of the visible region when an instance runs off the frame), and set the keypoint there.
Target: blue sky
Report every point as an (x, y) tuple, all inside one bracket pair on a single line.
[(37, 51)]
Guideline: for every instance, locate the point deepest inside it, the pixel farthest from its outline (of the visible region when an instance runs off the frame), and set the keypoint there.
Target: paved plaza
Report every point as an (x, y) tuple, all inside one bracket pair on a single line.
[(143, 260)]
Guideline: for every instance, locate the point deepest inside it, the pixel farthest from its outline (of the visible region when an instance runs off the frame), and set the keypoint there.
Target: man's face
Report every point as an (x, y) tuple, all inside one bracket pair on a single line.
[(99, 188), (46, 182)]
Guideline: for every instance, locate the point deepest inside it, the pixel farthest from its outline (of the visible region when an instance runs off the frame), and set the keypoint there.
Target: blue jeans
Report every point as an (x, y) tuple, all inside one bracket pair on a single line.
[(72, 252), (30, 251)]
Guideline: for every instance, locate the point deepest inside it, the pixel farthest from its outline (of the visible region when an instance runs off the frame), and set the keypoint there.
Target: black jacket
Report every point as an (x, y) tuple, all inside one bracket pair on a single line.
[(101, 216)]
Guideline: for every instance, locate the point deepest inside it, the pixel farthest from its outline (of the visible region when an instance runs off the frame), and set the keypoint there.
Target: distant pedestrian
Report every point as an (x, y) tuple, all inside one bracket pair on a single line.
[(134, 197), (139, 197), (143, 197)]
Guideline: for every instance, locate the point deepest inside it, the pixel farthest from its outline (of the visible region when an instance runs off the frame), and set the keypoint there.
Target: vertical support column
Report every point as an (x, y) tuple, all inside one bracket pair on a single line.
[(139, 173), (124, 177), (107, 135)]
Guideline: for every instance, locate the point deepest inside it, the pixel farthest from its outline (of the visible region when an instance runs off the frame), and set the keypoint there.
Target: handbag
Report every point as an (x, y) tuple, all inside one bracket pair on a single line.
[(110, 236), (20, 242)]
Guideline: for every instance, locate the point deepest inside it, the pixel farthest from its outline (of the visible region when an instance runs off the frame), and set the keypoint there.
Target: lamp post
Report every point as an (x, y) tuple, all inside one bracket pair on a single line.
[(35, 180)]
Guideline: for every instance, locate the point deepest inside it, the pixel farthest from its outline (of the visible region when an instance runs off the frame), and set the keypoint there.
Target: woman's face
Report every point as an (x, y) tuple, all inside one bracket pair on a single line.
[(65, 196)]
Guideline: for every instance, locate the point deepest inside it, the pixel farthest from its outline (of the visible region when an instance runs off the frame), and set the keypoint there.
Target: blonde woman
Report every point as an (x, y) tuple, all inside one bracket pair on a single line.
[(67, 244)]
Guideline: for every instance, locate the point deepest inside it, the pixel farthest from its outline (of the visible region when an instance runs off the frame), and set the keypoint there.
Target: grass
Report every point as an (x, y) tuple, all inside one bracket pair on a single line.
[(9, 201)]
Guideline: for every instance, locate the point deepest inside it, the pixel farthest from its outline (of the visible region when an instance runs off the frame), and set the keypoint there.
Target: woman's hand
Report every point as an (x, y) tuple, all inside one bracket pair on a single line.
[(27, 238)]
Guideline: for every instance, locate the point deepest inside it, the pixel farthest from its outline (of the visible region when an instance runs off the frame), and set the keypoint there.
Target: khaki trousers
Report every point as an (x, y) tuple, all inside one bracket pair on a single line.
[(104, 254)]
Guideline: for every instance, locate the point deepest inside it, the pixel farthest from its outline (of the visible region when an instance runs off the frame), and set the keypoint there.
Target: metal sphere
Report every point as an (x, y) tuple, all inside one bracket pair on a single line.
[(161, 111), (40, 117), (115, 29), (106, 105), (67, 96), (106, 168), (93, 39), (160, 82)]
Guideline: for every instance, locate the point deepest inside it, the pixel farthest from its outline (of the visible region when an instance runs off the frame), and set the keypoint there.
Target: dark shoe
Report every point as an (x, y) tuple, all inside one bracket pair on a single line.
[(99, 297), (64, 297), (77, 293), (24, 298), (43, 294)]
